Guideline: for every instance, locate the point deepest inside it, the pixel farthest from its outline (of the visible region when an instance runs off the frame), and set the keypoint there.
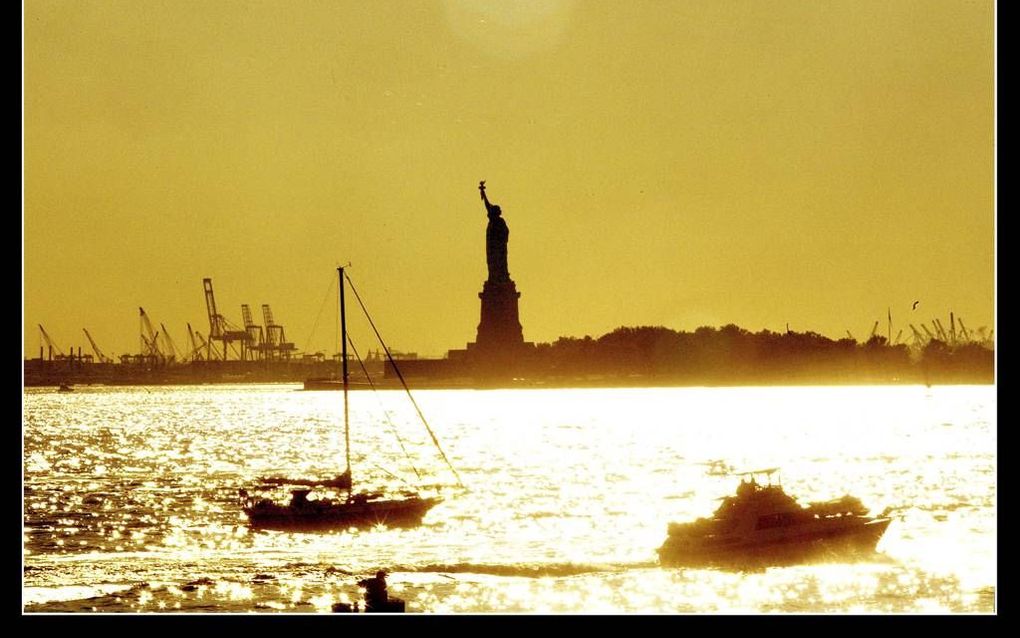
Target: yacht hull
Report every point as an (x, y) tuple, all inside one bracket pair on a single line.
[(827, 540)]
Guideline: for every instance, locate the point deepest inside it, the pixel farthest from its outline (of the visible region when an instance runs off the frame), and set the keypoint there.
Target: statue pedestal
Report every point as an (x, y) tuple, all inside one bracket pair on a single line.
[(499, 350), (500, 327)]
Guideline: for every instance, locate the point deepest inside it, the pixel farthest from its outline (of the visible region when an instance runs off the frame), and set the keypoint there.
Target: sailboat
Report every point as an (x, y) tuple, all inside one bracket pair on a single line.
[(362, 509)]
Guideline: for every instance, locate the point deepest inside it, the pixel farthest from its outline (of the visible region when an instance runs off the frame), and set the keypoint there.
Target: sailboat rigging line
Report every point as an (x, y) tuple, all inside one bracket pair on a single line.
[(322, 306), (379, 467), (385, 412), (400, 376)]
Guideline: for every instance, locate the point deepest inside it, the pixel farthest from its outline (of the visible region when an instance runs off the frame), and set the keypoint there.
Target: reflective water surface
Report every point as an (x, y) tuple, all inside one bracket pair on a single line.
[(130, 497)]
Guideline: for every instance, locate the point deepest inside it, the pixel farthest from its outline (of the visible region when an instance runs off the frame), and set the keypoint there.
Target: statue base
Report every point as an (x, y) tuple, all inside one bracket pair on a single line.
[(500, 349), (500, 326)]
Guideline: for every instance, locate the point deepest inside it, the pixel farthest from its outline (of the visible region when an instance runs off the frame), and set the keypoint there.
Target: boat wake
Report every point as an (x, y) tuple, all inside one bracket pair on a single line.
[(524, 570)]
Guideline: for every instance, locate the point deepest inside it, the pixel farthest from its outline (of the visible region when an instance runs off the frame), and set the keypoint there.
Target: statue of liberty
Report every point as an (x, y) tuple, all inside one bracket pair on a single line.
[(497, 234)]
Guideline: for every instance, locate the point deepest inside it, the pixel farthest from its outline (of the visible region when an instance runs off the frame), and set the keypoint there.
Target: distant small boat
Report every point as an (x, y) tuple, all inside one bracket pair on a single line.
[(762, 525), (64, 387), (324, 383)]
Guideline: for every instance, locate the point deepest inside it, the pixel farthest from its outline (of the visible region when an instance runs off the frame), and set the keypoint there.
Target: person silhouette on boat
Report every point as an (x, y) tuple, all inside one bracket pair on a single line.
[(747, 487), (497, 234), (376, 596)]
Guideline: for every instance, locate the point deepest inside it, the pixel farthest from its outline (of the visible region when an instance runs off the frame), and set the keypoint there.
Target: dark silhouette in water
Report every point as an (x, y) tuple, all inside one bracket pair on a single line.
[(762, 525), (377, 598)]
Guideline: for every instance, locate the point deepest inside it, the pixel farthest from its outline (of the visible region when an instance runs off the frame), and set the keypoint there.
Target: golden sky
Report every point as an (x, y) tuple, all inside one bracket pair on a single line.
[(658, 162)]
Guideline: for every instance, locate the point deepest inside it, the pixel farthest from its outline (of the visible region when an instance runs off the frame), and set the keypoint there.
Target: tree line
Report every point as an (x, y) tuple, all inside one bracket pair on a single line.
[(733, 354)]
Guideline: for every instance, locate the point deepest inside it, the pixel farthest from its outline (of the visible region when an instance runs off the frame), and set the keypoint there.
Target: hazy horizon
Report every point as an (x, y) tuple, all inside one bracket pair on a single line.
[(674, 164)]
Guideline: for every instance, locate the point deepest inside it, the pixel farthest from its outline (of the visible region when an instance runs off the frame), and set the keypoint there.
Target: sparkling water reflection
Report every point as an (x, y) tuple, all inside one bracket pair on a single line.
[(130, 497)]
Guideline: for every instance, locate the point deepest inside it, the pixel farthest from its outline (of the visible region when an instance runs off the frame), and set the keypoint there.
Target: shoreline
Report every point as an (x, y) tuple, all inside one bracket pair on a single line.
[(538, 384)]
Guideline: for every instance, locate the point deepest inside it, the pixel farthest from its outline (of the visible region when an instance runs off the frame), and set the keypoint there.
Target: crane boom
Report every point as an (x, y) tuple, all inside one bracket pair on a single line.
[(99, 353), (150, 345), (918, 339), (174, 352), (246, 316), (195, 352), (963, 329), (49, 342)]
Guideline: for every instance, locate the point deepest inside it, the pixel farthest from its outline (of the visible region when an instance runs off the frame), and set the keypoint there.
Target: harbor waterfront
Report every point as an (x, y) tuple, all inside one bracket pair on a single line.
[(131, 497)]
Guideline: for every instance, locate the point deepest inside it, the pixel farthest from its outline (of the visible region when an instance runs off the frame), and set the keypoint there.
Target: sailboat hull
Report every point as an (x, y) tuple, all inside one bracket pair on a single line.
[(317, 515)]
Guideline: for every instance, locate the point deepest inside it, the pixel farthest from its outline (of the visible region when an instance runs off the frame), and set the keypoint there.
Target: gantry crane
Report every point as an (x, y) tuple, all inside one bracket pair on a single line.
[(219, 328), (277, 345), (256, 338)]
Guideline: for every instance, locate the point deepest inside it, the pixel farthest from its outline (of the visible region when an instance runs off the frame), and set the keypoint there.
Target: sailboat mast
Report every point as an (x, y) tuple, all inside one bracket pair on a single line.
[(343, 362)]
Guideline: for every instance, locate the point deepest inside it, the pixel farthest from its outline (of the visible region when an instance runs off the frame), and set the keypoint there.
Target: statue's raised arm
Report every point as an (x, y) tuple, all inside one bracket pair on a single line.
[(488, 207)]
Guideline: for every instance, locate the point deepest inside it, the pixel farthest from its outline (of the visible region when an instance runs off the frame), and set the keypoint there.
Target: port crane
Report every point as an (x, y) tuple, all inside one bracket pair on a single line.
[(99, 353), (174, 351), (149, 342), (49, 343), (963, 329), (210, 351), (918, 337), (256, 338), (277, 345), (219, 328), (196, 350)]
